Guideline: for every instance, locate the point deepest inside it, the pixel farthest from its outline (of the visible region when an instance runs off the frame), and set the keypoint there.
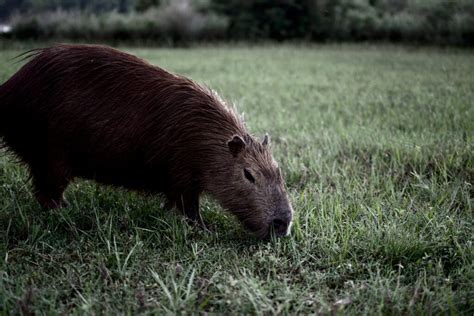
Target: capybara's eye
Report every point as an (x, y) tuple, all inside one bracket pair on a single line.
[(249, 176)]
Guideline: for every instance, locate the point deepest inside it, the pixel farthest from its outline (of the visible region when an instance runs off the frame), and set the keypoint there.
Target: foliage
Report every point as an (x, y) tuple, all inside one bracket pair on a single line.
[(264, 18), (174, 23), (434, 21), (376, 144), (143, 5), (397, 20), (10, 7)]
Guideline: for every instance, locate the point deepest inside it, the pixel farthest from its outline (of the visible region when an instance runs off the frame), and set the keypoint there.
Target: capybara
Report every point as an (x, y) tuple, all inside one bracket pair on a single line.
[(97, 113)]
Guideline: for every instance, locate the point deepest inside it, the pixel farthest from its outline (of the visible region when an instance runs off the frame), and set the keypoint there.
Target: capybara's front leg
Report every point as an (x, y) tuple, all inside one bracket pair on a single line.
[(49, 182), (188, 204)]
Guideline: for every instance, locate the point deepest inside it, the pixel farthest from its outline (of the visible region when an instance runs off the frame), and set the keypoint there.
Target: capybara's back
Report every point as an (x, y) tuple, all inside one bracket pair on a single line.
[(97, 113)]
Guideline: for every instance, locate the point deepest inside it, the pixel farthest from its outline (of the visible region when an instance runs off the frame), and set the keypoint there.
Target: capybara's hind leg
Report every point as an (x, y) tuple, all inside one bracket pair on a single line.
[(49, 182)]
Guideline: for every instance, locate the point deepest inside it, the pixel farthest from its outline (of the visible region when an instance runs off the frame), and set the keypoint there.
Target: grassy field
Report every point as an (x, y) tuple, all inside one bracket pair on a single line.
[(376, 144)]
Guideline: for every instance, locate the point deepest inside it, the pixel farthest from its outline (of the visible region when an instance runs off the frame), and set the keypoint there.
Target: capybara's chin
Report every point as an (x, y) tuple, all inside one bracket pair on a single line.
[(97, 113)]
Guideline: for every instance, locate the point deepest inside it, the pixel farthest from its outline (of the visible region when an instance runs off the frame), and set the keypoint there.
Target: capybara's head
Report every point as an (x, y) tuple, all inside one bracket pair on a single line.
[(254, 188)]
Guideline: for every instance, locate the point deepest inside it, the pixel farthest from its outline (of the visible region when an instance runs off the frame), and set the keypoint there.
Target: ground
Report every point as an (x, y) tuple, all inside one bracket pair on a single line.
[(376, 144)]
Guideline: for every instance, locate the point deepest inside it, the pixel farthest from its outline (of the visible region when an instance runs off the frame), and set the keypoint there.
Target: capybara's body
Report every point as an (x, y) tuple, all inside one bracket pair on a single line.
[(98, 113)]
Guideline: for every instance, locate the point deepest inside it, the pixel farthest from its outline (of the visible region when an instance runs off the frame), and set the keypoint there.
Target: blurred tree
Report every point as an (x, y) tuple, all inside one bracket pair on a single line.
[(323, 16), (7, 7), (391, 6), (277, 20), (395, 20), (143, 5)]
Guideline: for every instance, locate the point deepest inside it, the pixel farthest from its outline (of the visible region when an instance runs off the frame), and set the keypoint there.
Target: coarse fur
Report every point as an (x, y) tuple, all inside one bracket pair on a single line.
[(94, 112)]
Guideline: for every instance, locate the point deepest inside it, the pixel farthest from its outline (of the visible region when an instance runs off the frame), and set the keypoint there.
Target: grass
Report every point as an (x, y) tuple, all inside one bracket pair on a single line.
[(376, 143)]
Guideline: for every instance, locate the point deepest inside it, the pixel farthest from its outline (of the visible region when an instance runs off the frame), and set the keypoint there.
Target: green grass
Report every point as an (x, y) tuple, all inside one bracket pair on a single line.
[(376, 143)]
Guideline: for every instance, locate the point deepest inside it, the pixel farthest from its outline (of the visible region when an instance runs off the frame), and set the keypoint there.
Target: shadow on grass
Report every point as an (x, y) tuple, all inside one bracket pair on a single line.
[(98, 213)]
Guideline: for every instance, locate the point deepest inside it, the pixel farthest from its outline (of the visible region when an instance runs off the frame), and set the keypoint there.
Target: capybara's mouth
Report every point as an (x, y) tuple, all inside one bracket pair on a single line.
[(279, 228), (259, 231), (269, 231)]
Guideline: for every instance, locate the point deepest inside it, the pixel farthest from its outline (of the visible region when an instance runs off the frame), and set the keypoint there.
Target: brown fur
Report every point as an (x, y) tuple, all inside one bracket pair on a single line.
[(98, 113)]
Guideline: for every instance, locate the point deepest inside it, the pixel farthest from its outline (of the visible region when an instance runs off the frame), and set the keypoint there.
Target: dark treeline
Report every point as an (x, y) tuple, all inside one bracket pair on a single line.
[(174, 21), (9, 7)]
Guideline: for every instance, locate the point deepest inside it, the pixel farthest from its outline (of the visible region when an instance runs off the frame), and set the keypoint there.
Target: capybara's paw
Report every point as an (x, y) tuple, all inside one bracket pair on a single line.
[(50, 203)]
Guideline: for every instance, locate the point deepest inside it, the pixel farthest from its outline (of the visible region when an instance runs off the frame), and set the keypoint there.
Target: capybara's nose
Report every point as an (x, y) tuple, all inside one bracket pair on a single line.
[(281, 225)]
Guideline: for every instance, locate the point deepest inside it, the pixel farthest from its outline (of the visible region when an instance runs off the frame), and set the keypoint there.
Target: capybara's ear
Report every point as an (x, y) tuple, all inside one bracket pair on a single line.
[(266, 140), (236, 145)]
